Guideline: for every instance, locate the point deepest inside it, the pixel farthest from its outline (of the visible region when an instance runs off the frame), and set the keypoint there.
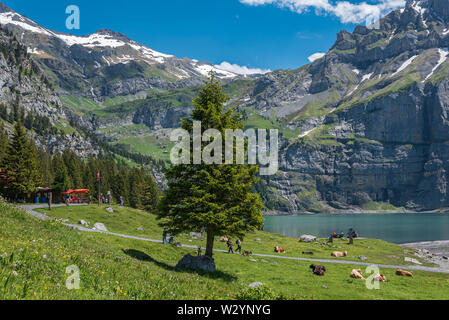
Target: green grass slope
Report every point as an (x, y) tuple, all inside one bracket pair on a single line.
[(34, 256)]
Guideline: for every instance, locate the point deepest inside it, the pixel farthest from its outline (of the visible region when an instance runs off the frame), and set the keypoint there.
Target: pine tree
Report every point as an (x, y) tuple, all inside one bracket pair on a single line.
[(216, 197), (22, 165), (149, 194), (118, 185), (4, 142), (134, 183), (61, 182)]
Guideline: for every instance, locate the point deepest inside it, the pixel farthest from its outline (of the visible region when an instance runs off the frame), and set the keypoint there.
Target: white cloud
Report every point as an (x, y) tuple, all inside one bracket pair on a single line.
[(316, 56), (346, 11), (235, 68)]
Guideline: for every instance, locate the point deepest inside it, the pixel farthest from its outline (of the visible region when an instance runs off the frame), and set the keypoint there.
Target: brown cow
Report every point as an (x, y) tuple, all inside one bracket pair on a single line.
[(357, 274), (380, 278), (400, 272), (279, 250), (318, 270), (339, 254), (247, 253)]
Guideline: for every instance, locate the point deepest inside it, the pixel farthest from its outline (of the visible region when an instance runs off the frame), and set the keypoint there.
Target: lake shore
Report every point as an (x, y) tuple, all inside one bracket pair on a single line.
[(354, 211), (433, 251)]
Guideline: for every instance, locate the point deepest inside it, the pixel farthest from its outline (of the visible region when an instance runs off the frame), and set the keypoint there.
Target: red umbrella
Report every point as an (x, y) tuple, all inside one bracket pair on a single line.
[(81, 191)]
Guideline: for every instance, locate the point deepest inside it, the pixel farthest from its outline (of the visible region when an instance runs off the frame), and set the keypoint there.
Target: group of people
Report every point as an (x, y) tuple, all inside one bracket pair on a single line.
[(72, 199), (351, 235), (170, 240), (238, 242), (103, 199), (108, 199)]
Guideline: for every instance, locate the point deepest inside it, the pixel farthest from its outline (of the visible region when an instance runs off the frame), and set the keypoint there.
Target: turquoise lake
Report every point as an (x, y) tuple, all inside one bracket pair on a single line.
[(395, 228)]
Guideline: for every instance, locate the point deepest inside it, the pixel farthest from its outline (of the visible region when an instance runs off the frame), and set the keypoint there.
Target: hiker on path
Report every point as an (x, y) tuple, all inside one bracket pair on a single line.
[(121, 201), (239, 246), (50, 200), (164, 237), (229, 243)]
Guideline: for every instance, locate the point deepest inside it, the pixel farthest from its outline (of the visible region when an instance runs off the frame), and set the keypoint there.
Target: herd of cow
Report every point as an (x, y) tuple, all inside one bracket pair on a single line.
[(355, 273), (321, 270)]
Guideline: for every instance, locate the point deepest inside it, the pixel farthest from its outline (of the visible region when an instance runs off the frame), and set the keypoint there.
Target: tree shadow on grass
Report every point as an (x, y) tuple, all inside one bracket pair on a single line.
[(142, 256)]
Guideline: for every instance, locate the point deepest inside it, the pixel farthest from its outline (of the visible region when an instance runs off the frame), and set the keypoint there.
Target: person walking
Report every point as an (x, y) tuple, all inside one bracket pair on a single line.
[(229, 243), (239, 246), (164, 237), (50, 200), (121, 201)]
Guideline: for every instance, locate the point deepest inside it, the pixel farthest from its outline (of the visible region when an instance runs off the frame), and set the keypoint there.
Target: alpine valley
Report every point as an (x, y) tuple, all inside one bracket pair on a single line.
[(365, 127)]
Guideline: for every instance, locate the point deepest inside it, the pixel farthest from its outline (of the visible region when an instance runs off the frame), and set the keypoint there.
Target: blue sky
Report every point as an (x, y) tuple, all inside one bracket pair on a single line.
[(267, 34)]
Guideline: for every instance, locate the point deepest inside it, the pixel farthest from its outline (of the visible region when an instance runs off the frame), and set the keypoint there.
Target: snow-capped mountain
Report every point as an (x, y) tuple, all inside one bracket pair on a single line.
[(105, 63)]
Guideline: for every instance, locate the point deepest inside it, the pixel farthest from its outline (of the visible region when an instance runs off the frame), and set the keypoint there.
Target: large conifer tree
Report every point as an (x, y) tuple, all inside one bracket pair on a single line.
[(4, 142), (217, 197), (22, 165)]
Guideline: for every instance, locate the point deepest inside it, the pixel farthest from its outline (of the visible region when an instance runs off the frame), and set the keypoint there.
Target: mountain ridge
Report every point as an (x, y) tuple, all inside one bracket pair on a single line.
[(92, 56)]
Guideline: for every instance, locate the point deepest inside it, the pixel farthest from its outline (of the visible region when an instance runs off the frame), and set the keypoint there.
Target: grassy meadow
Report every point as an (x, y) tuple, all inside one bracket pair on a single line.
[(34, 256)]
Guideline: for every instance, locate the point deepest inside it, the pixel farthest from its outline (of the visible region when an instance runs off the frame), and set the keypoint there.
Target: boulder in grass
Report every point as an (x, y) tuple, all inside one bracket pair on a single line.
[(307, 238), (83, 223), (110, 209), (203, 263), (255, 284), (100, 227), (412, 260), (196, 235)]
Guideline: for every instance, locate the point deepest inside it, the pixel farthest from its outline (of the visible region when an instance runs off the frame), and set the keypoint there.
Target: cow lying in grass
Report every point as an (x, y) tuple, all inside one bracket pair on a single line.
[(357, 274), (400, 272), (339, 254), (380, 278), (247, 253), (279, 250), (318, 270)]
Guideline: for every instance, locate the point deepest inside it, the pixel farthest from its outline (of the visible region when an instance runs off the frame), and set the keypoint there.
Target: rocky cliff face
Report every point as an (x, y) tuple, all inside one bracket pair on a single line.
[(24, 85), (374, 117)]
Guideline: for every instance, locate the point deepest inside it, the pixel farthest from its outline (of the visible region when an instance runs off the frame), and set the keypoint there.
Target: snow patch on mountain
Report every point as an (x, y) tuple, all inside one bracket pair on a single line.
[(443, 56), (204, 69), (22, 22), (404, 65)]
